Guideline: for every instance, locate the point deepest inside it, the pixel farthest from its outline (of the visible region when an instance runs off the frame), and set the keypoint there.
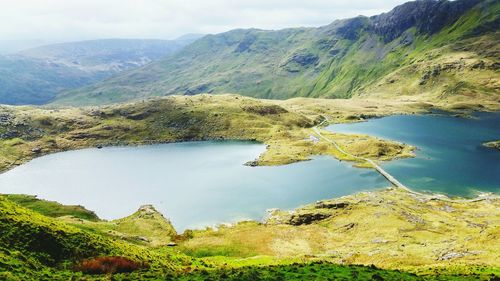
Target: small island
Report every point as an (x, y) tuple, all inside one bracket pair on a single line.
[(493, 144)]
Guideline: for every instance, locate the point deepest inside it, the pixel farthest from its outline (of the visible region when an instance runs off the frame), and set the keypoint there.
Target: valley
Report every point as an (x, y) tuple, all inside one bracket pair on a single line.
[(363, 149), (286, 129)]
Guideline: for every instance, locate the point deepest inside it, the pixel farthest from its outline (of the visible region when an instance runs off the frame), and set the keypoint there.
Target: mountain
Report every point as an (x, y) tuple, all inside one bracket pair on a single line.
[(35, 75), (440, 49), (107, 54), (14, 46)]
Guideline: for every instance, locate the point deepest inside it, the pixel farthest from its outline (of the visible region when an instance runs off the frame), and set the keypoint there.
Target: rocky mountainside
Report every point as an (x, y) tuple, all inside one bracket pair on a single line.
[(34, 76), (434, 48), (107, 54)]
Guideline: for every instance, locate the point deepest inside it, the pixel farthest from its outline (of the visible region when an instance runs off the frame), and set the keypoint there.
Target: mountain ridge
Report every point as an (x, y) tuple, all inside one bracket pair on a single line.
[(35, 75), (343, 59)]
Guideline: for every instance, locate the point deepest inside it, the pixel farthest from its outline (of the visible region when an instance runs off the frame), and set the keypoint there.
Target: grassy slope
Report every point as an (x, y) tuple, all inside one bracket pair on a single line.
[(284, 126), (145, 227), (465, 70), (393, 229), (343, 59), (51, 208), (35, 247)]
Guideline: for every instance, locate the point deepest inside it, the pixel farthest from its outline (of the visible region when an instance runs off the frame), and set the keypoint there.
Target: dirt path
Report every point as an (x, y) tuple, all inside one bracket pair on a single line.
[(383, 172)]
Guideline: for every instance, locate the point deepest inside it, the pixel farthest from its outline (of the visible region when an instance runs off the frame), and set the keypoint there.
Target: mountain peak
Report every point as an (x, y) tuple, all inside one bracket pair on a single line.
[(428, 16)]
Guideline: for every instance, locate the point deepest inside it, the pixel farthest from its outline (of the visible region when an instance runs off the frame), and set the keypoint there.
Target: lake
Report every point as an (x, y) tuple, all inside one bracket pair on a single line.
[(195, 184), (450, 159)]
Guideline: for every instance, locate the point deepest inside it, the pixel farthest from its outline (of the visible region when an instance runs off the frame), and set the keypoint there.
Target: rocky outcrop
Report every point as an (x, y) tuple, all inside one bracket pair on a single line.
[(305, 59), (427, 16), (147, 225), (265, 109), (492, 144), (307, 218), (331, 205)]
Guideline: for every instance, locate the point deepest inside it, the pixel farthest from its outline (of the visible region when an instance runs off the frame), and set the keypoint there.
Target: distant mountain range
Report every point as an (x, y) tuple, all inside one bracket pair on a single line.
[(36, 75), (435, 48)]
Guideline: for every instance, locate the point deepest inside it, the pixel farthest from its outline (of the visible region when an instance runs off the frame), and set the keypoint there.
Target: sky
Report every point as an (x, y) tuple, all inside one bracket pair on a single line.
[(72, 20)]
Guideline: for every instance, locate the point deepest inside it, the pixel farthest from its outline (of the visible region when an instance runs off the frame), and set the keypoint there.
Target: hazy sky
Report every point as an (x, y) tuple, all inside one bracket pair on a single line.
[(64, 20)]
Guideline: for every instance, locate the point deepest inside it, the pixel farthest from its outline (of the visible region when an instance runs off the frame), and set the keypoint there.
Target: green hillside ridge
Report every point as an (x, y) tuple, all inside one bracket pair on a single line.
[(51, 208), (436, 49), (36, 247), (284, 126)]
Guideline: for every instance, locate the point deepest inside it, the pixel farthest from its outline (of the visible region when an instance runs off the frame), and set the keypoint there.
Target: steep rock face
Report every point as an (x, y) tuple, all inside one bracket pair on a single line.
[(427, 16)]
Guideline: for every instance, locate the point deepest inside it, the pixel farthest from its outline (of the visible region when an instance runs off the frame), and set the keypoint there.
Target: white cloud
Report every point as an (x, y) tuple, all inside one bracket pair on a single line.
[(63, 20)]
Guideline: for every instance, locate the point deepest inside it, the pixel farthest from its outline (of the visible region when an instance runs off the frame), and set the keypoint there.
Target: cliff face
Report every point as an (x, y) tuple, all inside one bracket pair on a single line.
[(427, 16)]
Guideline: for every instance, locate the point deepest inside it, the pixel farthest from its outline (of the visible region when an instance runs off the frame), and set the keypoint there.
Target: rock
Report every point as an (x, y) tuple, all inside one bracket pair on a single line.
[(327, 205), (36, 150), (5, 118), (479, 65), (252, 163), (265, 109), (412, 218), (379, 241), (307, 218), (142, 238), (147, 210), (455, 255), (305, 59), (349, 226), (427, 16)]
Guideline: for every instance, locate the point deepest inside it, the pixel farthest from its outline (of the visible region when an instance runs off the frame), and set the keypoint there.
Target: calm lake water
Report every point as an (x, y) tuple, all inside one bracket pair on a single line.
[(195, 184), (450, 158)]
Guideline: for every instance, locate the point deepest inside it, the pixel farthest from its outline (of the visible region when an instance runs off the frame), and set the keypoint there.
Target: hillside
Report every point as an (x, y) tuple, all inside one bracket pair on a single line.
[(36, 75), (435, 49), (285, 126), (328, 240)]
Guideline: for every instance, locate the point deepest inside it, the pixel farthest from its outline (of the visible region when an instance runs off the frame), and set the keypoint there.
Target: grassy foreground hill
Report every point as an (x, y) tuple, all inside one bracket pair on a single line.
[(329, 240), (437, 50)]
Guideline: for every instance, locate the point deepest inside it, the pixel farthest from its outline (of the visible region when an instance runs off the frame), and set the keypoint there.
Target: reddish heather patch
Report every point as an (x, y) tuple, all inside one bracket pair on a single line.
[(107, 265)]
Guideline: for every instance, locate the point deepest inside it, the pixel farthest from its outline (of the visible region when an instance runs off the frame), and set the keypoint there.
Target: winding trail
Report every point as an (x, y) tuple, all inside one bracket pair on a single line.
[(379, 169)]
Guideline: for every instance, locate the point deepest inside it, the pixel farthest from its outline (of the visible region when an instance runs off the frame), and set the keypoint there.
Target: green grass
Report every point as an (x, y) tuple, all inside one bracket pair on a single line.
[(345, 65), (38, 247), (51, 208), (313, 271), (32, 244)]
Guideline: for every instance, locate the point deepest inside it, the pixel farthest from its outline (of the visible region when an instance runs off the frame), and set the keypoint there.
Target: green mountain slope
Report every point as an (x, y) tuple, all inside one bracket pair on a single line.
[(393, 53), (36, 247), (34, 76)]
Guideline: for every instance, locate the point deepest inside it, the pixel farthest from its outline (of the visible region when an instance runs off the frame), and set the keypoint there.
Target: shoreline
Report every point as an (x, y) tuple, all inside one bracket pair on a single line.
[(426, 196)]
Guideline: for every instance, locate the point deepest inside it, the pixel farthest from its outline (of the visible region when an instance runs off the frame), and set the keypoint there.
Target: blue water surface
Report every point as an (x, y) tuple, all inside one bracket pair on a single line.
[(195, 184), (450, 158)]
